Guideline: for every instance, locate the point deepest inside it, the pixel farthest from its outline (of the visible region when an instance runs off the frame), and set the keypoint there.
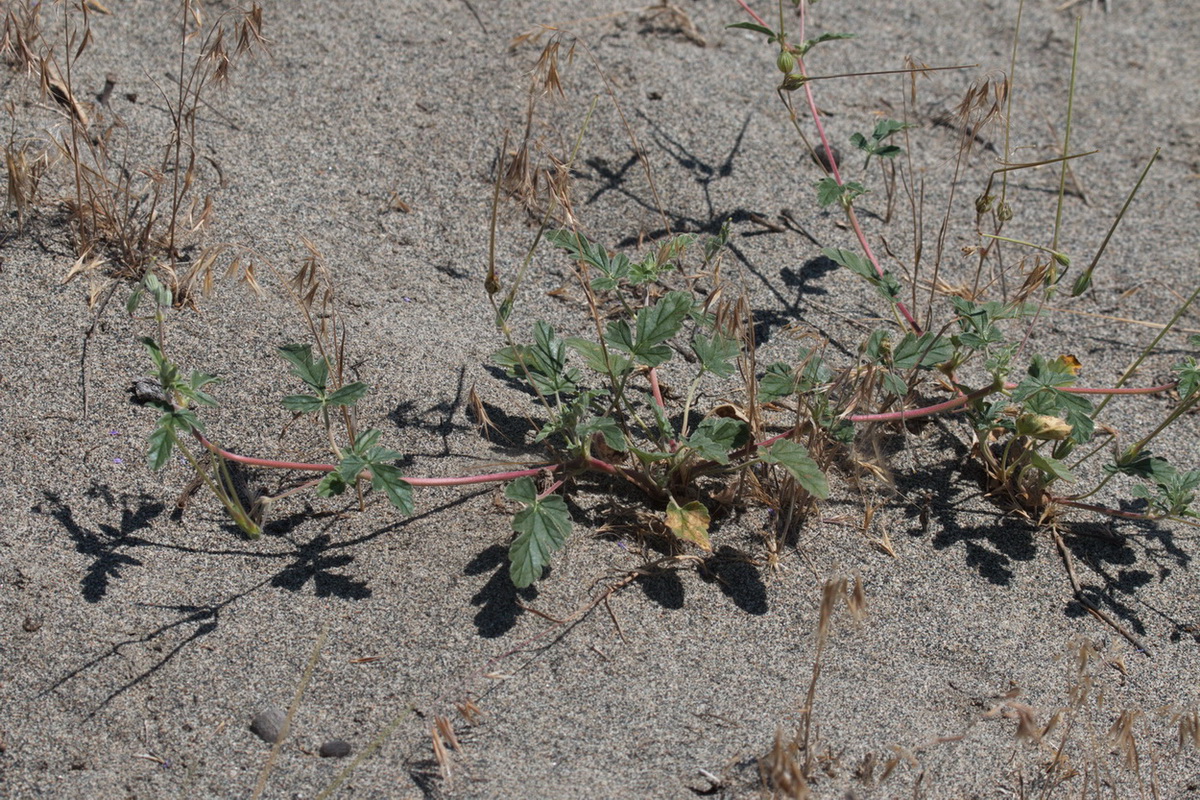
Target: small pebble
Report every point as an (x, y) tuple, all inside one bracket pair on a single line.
[(268, 724), (821, 156), (335, 748), (31, 625)]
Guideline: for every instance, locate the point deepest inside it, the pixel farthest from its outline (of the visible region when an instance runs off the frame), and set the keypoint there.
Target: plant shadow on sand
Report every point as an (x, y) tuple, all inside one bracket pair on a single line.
[(309, 561), (994, 541)]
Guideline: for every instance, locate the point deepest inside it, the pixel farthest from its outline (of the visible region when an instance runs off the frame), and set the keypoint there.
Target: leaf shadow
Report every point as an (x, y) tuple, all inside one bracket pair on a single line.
[(499, 600), (105, 543)]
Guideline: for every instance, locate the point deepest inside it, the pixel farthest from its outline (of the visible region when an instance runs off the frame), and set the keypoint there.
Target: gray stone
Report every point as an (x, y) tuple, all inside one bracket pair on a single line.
[(335, 748), (268, 724)]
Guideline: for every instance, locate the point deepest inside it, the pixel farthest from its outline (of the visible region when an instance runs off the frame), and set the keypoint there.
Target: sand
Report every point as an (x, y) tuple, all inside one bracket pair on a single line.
[(136, 643)]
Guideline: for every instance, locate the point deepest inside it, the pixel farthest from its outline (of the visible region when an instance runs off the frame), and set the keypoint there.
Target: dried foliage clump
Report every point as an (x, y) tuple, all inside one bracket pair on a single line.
[(125, 218)]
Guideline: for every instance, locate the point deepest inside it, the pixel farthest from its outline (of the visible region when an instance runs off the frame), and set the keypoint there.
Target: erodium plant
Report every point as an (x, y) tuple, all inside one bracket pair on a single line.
[(604, 413)]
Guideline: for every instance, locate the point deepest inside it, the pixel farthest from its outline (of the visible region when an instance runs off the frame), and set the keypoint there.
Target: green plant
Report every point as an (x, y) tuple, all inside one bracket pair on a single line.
[(1025, 423)]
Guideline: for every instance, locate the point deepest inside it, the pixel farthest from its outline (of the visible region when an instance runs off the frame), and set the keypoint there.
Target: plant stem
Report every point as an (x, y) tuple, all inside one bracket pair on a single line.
[(927, 411), (851, 216), (1112, 512), (1132, 367), (449, 481), (232, 505)]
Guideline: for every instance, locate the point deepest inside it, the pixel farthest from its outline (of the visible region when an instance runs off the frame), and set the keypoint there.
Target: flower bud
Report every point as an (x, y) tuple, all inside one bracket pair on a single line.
[(786, 62)]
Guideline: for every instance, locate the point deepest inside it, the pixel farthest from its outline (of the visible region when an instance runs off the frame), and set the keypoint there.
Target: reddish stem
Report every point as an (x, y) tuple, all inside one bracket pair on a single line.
[(450, 481), (1112, 512)]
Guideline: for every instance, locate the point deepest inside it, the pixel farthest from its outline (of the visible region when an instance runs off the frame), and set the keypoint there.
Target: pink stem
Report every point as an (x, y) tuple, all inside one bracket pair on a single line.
[(927, 411), (750, 11), (1112, 512), (658, 398), (450, 481), (837, 176)]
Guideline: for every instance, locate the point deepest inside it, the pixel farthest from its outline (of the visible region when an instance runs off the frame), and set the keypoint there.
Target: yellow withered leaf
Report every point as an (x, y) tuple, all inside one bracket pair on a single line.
[(1070, 363), (690, 523)]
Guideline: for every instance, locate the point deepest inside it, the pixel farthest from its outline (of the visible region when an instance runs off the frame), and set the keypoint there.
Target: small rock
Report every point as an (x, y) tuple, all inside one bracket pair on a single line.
[(335, 748), (268, 724), (821, 156), (148, 391), (31, 625)]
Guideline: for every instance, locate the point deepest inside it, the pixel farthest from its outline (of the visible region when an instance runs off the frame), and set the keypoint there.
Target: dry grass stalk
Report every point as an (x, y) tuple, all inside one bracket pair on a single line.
[(1120, 735), (790, 765), (129, 219), (440, 755), (20, 36), (781, 771), (25, 165)]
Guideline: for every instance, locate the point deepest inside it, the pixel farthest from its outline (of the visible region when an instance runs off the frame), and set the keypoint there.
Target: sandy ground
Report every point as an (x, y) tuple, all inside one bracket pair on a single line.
[(137, 643)]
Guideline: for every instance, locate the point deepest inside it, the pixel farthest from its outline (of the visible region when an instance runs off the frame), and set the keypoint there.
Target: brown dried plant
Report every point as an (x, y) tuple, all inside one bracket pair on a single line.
[(129, 219), (789, 768)]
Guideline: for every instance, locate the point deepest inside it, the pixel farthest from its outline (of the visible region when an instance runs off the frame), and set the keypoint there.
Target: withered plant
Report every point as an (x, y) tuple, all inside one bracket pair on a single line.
[(128, 219)]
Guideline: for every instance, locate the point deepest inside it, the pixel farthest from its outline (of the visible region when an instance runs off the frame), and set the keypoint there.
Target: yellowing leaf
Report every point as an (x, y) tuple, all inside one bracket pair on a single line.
[(1070, 364), (690, 523)]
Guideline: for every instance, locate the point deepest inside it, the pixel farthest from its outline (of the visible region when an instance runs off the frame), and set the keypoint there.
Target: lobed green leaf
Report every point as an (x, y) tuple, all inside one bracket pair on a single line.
[(794, 457)]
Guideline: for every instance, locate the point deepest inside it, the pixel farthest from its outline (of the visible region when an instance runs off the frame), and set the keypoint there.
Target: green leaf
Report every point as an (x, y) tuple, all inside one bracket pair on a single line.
[(926, 351), (650, 456), (781, 380), (715, 437), (1143, 465), (714, 244), (794, 457), (365, 454), (197, 383), (522, 490), (302, 403), (1041, 392), (778, 381), (809, 44), (162, 442), (894, 384), (689, 522), (1050, 467), (750, 26), (314, 372), (874, 146), (348, 395), (135, 299), (332, 484), (594, 356), (716, 353), (542, 364), (614, 268), (387, 479), (661, 321), (1189, 377), (853, 262), (830, 192), (619, 335), (542, 528), (607, 428), (877, 347)]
